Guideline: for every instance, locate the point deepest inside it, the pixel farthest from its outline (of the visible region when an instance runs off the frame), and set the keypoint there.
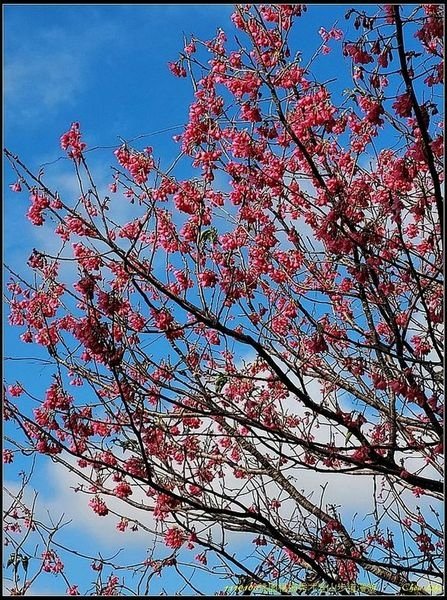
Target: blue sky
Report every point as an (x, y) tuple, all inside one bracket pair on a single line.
[(106, 67)]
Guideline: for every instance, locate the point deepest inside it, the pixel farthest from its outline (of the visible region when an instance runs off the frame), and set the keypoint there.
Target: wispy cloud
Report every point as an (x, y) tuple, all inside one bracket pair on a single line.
[(50, 68), (41, 82)]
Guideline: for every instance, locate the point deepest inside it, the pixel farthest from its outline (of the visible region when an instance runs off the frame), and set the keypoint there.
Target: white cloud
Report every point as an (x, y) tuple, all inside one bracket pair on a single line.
[(57, 500), (75, 506)]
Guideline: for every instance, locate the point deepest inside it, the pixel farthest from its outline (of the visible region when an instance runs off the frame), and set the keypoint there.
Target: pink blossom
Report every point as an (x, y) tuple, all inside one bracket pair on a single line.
[(99, 506), (174, 538)]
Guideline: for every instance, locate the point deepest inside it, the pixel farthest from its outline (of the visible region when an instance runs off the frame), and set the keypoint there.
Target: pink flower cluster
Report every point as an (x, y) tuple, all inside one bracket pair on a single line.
[(138, 164), (358, 54), (51, 562), (71, 141), (38, 204), (73, 590), (174, 538), (98, 506), (123, 490), (56, 398), (165, 321), (15, 390)]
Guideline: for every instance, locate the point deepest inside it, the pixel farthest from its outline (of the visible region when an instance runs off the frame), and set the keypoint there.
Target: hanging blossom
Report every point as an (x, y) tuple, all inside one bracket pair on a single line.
[(174, 538), (71, 141), (99, 506), (139, 164), (39, 203)]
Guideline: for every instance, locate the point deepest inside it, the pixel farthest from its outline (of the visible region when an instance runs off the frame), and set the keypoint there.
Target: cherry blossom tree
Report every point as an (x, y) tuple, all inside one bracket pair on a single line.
[(260, 332)]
